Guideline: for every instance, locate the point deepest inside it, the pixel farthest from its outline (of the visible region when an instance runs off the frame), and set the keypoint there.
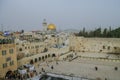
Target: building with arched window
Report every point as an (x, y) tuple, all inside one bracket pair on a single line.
[(8, 59)]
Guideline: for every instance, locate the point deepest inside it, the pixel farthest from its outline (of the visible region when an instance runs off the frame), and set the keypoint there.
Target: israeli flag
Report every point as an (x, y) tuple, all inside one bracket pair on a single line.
[(6, 33)]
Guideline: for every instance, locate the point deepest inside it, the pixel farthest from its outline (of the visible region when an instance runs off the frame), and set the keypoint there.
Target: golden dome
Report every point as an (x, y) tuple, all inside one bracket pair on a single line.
[(51, 27)]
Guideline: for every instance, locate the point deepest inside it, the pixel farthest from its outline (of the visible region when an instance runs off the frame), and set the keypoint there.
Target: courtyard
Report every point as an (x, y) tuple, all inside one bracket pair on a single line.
[(83, 67)]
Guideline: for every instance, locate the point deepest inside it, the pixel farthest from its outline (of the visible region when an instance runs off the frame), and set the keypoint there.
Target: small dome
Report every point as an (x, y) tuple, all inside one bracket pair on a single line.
[(51, 27)]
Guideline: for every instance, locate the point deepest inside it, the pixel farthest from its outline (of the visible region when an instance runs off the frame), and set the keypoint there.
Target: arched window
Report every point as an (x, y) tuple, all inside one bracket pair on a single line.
[(35, 59), (8, 74), (48, 55), (108, 47), (39, 58), (42, 57), (53, 55), (45, 50), (20, 49), (103, 47), (45, 56), (115, 48)]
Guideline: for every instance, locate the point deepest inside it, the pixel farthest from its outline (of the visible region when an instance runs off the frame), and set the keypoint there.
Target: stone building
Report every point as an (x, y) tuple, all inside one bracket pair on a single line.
[(8, 61), (36, 51)]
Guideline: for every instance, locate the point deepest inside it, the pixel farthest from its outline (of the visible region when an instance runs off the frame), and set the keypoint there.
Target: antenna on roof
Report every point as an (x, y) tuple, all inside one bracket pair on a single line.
[(2, 27)]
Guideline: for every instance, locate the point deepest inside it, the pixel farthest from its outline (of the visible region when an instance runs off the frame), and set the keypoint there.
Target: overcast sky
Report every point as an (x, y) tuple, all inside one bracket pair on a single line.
[(65, 14)]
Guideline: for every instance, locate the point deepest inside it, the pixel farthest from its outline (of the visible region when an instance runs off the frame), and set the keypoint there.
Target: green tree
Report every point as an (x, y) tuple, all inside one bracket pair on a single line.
[(104, 33), (97, 32)]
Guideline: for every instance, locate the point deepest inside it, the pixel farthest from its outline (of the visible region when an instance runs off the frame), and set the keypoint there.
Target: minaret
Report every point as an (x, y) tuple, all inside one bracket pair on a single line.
[(44, 25)]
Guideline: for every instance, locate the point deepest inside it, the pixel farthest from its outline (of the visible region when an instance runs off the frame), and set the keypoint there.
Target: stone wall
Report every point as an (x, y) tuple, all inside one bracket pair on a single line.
[(99, 45)]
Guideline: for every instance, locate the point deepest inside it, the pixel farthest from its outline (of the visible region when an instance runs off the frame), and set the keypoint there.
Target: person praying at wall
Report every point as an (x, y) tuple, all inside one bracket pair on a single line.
[(96, 68), (56, 62), (42, 69), (52, 67)]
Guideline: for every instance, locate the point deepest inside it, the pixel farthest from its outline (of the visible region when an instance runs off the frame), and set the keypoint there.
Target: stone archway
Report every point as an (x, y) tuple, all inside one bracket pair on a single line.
[(8, 74), (53, 55), (42, 57), (39, 58), (45, 56), (35, 59), (48, 55)]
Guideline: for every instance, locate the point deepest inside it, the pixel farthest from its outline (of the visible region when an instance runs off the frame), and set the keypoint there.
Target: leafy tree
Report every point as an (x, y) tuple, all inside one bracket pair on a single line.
[(108, 33), (104, 32), (97, 32)]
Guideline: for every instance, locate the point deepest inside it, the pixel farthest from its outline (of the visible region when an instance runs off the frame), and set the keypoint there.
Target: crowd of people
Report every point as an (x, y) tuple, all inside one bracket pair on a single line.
[(15, 75)]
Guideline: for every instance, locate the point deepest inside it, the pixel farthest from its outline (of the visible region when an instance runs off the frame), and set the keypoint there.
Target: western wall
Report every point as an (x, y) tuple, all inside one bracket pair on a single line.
[(96, 47)]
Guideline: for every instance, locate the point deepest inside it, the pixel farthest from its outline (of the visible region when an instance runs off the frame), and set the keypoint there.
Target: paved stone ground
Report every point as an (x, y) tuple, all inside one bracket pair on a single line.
[(84, 68)]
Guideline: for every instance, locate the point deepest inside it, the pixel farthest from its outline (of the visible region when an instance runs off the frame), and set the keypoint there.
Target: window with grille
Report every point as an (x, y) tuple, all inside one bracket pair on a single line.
[(4, 65), (11, 51), (4, 52), (11, 63)]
